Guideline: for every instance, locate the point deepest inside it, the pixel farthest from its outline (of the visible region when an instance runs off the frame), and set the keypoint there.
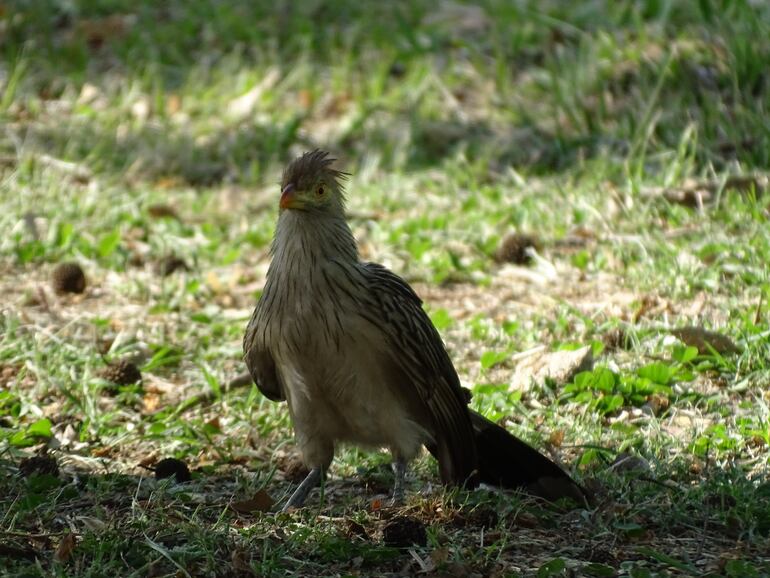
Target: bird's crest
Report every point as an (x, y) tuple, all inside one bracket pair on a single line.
[(306, 170)]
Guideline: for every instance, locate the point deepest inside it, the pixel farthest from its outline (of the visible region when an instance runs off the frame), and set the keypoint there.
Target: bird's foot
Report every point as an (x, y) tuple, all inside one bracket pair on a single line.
[(399, 472), (299, 496)]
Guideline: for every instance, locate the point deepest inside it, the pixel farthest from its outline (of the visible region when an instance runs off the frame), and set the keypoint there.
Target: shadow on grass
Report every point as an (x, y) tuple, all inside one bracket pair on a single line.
[(584, 110), (696, 524)]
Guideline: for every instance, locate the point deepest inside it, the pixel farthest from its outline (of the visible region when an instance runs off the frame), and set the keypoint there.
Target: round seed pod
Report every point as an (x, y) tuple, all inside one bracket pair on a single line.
[(169, 467), (513, 249), (39, 465), (170, 264), (404, 531), (68, 278), (121, 373)]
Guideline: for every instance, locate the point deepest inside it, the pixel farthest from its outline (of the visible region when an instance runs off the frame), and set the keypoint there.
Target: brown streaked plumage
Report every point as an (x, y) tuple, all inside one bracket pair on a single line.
[(348, 346)]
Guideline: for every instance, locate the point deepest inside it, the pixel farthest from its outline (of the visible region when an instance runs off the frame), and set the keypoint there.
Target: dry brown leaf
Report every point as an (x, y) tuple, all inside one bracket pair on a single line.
[(556, 438), (697, 193), (160, 211), (173, 104), (439, 556), (169, 182), (705, 341), (259, 502), (657, 403), (559, 366), (97, 31), (650, 306), (245, 105), (148, 461), (101, 452), (240, 560), (65, 548), (150, 402), (305, 98)]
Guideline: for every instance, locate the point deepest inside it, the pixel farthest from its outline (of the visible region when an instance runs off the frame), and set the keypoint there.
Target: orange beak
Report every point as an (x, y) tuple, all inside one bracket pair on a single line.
[(288, 199)]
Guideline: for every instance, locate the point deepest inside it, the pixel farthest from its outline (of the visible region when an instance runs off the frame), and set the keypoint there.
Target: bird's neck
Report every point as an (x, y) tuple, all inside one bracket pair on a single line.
[(305, 239)]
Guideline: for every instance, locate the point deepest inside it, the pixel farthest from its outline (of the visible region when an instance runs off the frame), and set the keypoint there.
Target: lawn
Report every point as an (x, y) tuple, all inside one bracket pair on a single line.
[(549, 176)]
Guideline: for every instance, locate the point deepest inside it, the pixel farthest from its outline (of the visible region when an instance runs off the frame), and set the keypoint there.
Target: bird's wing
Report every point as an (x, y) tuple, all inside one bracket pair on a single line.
[(422, 369), (260, 362)]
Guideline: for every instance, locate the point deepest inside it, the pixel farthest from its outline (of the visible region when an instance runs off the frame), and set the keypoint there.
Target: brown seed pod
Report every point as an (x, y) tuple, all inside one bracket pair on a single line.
[(513, 249), (39, 465), (121, 372), (169, 264), (404, 531), (68, 278), (168, 467)]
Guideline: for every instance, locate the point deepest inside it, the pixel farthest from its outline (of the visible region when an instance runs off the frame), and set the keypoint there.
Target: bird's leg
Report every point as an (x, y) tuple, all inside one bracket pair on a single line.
[(300, 494), (399, 472)]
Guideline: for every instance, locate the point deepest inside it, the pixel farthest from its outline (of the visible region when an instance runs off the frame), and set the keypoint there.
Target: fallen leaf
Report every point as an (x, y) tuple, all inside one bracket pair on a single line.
[(245, 104), (305, 98), (439, 556), (556, 438), (94, 524), (259, 502), (65, 548), (650, 306), (558, 366), (657, 403), (150, 402), (526, 520), (161, 211), (240, 560), (97, 31), (173, 104), (705, 341)]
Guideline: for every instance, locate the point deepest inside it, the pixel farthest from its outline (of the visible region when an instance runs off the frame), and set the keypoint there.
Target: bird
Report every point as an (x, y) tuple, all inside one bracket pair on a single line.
[(348, 346)]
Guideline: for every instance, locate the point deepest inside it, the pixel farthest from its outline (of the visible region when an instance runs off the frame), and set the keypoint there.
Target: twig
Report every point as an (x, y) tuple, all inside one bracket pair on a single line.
[(14, 552), (707, 512), (694, 193), (32, 536)]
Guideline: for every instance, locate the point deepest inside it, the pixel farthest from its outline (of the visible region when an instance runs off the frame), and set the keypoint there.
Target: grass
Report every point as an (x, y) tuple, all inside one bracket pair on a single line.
[(630, 139)]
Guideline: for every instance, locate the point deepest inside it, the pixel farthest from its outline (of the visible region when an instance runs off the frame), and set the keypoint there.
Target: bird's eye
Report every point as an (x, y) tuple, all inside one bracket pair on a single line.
[(320, 191)]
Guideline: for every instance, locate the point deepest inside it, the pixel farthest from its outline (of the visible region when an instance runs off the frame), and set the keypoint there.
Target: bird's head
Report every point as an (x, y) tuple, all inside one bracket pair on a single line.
[(310, 184)]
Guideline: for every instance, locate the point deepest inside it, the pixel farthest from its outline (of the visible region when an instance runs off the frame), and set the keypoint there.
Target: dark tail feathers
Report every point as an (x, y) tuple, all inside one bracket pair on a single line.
[(508, 462)]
